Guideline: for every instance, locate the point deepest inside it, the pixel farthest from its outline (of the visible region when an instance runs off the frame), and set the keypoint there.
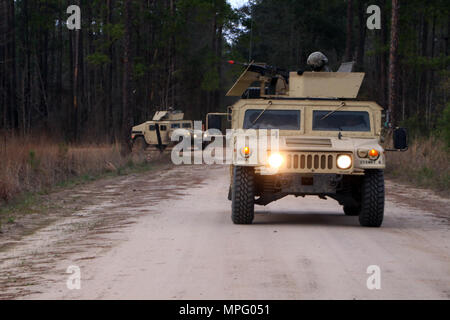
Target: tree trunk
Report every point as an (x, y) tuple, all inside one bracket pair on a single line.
[(7, 64), (12, 65), (393, 63), (126, 107), (349, 42), (362, 36), (383, 60), (75, 84)]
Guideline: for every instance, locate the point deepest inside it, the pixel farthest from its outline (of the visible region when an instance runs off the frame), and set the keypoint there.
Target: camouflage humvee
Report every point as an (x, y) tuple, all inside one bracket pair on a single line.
[(157, 133), (329, 143)]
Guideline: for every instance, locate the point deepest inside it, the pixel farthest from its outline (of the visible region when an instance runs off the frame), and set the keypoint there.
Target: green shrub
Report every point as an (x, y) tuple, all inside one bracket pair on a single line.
[(33, 161)]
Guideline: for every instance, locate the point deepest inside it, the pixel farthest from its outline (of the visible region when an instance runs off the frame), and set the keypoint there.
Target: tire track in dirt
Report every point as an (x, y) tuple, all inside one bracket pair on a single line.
[(84, 223)]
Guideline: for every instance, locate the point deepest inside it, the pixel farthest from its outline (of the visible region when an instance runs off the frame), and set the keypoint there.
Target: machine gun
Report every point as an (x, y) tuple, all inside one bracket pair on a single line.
[(264, 69), (271, 74)]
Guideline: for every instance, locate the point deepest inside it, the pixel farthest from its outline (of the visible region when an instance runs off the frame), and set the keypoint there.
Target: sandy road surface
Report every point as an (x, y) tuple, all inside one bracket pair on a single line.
[(136, 237)]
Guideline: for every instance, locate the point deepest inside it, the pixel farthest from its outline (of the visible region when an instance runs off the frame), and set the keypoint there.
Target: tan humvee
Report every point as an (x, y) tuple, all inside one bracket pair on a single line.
[(216, 125), (157, 132), (328, 146)]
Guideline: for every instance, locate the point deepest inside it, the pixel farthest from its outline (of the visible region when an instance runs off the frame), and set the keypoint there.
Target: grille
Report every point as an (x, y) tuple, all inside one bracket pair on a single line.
[(307, 162)]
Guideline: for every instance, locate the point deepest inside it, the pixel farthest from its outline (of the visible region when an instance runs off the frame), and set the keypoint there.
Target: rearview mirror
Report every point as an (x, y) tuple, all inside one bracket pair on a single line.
[(229, 113), (400, 139)]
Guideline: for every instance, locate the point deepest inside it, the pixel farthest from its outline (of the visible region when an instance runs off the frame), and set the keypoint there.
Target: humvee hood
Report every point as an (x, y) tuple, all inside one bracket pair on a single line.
[(313, 143)]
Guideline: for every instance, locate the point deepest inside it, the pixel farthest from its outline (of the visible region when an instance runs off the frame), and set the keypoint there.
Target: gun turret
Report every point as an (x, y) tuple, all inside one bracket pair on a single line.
[(277, 83), (168, 115), (277, 79), (264, 69)]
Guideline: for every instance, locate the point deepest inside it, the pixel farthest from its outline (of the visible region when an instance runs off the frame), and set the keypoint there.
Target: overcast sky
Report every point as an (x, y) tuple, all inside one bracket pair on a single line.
[(237, 3)]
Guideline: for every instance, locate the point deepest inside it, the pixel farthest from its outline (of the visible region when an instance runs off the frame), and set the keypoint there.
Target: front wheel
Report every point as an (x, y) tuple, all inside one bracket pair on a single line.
[(139, 144), (243, 195), (372, 199)]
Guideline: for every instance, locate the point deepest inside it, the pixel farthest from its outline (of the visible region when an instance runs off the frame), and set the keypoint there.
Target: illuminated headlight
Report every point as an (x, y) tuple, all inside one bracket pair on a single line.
[(195, 135), (205, 135), (275, 160), (344, 161)]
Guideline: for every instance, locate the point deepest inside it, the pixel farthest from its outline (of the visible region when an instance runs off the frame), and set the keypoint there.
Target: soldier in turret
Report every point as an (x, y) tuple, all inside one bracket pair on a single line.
[(318, 62)]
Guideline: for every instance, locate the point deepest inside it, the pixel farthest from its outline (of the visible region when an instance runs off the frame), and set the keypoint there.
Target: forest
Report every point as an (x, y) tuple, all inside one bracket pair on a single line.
[(133, 57)]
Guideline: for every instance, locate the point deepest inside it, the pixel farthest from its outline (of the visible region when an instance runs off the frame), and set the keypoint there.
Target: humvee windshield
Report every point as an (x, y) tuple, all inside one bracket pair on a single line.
[(175, 125), (186, 125), (341, 120), (272, 119)]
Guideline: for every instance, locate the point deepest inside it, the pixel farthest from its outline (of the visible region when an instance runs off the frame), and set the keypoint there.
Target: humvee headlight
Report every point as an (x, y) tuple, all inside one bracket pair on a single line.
[(195, 136), (275, 160), (344, 161), (374, 154)]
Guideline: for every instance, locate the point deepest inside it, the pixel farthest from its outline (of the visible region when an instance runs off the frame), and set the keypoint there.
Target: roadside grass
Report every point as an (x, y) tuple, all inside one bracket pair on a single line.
[(34, 202), (425, 164), (35, 166), (36, 163)]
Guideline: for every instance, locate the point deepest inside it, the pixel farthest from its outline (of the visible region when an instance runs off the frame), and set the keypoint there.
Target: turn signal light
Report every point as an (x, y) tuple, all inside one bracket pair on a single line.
[(374, 154), (246, 152)]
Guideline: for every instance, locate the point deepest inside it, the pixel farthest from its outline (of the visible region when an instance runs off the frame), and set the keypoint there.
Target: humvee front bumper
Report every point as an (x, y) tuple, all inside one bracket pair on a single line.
[(313, 184), (278, 186)]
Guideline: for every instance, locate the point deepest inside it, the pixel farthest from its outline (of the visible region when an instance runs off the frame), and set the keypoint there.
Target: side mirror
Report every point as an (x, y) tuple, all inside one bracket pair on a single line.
[(400, 139), (229, 113)]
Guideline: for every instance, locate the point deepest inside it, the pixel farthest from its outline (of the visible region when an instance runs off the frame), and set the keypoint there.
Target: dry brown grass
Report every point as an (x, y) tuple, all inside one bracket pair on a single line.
[(426, 164), (36, 163)]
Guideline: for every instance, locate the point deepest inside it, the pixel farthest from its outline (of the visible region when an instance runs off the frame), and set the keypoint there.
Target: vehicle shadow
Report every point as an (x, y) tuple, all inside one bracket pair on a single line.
[(394, 223), (306, 218)]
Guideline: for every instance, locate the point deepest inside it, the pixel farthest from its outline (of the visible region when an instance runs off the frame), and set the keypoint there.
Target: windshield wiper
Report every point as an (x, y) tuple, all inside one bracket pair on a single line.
[(333, 111), (261, 113)]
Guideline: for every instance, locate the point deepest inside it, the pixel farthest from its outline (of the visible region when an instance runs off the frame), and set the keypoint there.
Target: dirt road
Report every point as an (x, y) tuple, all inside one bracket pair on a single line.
[(136, 237)]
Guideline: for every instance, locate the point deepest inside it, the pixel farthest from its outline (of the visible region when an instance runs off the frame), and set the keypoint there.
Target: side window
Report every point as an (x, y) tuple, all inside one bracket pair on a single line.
[(186, 125), (175, 125), (163, 128), (151, 127)]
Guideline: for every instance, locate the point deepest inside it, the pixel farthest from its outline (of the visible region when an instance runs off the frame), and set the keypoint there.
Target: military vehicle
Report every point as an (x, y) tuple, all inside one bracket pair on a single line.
[(216, 125), (156, 134), (329, 143)]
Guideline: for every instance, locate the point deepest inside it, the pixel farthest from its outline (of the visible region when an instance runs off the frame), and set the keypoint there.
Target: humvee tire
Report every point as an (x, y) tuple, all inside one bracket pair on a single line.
[(351, 210), (372, 199), (139, 144), (243, 195)]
